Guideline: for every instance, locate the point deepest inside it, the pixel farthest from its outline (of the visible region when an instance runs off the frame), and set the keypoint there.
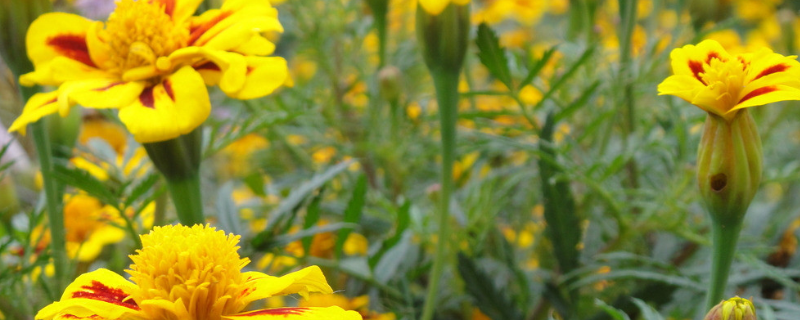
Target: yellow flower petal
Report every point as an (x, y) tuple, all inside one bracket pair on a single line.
[(106, 93), (298, 314), (58, 34), (101, 292), (180, 10), (233, 24), (176, 106), (302, 282), (59, 70), (263, 76), (38, 106)]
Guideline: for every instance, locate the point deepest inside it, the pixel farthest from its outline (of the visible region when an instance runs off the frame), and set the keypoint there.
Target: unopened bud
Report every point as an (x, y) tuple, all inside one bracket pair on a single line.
[(732, 309), (443, 37), (390, 81), (729, 166)]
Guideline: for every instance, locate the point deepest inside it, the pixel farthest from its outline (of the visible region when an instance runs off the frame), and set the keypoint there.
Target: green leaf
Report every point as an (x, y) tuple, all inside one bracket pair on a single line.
[(255, 183), (559, 204), (86, 182), (312, 216), (487, 297), (352, 214), (648, 313), (227, 213), (142, 188), (613, 312), (578, 103), (536, 68), (403, 221), (566, 76), (492, 55)]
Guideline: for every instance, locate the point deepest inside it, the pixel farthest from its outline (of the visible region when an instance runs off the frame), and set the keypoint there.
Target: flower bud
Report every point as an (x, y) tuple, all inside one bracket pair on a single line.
[(732, 309), (390, 82), (443, 37), (729, 166)]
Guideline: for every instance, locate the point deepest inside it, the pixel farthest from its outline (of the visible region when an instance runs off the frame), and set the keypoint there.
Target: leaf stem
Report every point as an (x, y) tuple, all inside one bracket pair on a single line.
[(188, 201), (446, 84)]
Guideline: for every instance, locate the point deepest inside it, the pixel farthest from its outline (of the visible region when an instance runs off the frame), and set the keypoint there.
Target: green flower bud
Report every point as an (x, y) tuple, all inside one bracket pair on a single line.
[(390, 80), (733, 309), (443, 37), (729, 166)]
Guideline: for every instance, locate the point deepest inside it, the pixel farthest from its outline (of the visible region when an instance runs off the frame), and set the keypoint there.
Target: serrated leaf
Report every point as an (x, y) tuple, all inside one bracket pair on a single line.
[(559, 204), (566, 76), (537, 67), (227, 213), (492, 55), (491, 301), (352, 213), (141, 188), (86, 182)]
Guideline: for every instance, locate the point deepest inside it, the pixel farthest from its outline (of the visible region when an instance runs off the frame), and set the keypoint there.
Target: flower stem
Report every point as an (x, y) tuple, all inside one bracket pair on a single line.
[(188, 201), (179, 160), (724, 238), (52, 197), (446, 84)]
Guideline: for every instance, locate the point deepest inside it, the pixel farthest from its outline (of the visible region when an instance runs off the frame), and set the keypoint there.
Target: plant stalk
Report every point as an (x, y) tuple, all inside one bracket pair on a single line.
[(52, 197), (446, 84), (724, 239), (188, 201)]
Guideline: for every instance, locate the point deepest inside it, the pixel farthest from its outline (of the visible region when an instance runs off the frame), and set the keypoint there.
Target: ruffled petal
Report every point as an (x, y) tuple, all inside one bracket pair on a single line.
[(176, 106), (330, 313), (766, 95), (234, 24), (263, 76), (101, 293), (180, 10), (261, 286), (106, 93), (693, 60), (58, 34), (38, 106), (681, 86), (59, 70), (231, 67)]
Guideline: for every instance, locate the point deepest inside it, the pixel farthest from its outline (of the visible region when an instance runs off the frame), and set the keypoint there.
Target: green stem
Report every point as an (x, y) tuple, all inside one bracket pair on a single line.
[(52, 201), (446, 84), (724, 246), (188, 201)]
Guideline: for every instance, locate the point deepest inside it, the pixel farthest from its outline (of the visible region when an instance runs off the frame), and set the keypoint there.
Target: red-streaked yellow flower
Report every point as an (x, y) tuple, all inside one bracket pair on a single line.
[(435, 7), (718, 82), (152, 60), (188, 273)]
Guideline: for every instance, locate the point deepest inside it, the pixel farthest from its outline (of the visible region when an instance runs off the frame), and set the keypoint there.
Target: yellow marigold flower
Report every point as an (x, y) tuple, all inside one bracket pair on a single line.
[(188, 273), (435, 7), (707, 76), (152, 60)]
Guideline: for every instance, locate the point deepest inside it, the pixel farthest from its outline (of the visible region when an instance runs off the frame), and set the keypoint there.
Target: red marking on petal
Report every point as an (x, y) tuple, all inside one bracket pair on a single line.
[(773, 69), (147, 98), (169, 6), (208, 66), (72, 316), (101, 292), (247, 291), (47, 102), (712, 55), (72, 46), (168, 88), (276, 311), (697, 68), (197, 31), (111, 85), (758, 92)]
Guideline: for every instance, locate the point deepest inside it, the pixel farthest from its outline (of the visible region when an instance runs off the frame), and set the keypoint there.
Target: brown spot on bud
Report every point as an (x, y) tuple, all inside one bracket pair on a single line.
[(719, 181)]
